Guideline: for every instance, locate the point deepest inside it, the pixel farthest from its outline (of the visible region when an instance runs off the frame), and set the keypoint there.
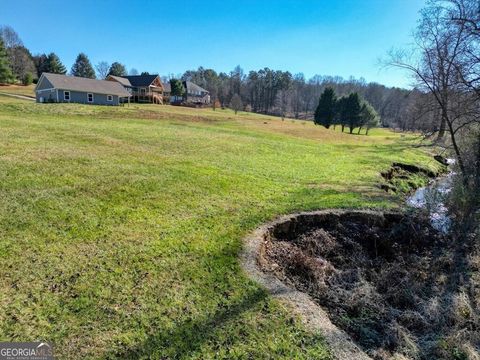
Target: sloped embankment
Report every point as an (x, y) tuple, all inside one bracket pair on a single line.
[(402, 178), (392, 283)]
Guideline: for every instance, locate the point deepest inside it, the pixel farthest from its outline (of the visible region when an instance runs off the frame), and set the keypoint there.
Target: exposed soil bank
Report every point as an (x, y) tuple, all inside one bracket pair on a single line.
[(314, 317), (395, 285)]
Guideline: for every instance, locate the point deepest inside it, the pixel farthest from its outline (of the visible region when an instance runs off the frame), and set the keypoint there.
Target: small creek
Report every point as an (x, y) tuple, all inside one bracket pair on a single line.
[(432, 198)]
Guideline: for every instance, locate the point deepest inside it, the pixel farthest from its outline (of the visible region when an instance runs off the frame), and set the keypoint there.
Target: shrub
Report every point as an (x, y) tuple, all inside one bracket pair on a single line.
[(27, 79)]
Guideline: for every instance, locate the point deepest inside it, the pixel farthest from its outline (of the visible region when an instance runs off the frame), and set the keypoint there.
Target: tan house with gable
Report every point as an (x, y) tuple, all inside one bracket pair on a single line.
[(142, 88)]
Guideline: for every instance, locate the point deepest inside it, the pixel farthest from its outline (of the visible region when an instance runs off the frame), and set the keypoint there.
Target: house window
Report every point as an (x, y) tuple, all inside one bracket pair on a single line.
[(66, 95), (109, 97), (142, 91), (90, 97)]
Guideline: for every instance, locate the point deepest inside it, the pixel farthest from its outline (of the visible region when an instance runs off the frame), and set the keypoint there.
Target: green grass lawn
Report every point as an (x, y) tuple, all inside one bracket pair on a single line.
[(121, 226)]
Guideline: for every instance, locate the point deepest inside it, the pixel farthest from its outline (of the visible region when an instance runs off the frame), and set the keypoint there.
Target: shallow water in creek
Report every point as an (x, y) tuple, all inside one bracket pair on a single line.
[(432, 198)]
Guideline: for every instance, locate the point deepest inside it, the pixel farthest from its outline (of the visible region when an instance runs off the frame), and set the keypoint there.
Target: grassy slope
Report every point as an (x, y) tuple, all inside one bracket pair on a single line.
[(121, 226), (19, 90)]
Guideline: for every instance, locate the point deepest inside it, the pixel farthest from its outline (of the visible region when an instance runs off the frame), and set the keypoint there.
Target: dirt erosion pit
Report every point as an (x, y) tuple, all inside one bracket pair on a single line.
[(387, 281)]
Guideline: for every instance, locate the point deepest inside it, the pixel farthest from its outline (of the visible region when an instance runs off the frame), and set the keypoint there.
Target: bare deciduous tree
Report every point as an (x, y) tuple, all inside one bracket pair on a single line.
[(10, 37), (102, 69), (445, 65), (236, 103), (21, 61), (434, 65)]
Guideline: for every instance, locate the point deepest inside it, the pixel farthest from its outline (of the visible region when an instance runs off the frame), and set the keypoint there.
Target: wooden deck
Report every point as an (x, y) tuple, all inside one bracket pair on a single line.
[(148, 98)]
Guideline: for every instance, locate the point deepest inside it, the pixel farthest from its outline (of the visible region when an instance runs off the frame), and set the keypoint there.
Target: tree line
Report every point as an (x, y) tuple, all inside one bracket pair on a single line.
[(280, 93), (18, 65)]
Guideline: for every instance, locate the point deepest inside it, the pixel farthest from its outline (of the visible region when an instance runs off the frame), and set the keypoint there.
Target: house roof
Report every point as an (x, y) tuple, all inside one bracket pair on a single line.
[(191, 87), (85, 85), (167, 87), (140, 80), (121, 80)]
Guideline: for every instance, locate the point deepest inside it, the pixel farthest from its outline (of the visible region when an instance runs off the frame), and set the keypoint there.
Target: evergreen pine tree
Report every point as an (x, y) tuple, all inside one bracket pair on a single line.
[(341, 117), (326, 109), (117, 69), (353, 108), (54, 65), (6, 75), (177, 88), (82, 67)]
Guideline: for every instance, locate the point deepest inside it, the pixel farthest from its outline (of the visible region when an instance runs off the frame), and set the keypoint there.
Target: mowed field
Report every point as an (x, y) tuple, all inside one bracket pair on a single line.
[(120, 227)]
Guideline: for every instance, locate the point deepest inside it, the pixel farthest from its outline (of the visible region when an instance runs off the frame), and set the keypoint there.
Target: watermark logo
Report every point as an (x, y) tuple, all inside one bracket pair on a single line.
[(26, 351)]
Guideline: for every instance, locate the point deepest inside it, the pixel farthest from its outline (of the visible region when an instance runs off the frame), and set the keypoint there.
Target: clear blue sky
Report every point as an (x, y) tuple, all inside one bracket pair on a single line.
[(328, 37)]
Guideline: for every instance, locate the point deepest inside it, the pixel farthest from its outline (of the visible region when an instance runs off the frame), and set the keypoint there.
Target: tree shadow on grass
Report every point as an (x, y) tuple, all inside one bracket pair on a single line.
[(189, 336)]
